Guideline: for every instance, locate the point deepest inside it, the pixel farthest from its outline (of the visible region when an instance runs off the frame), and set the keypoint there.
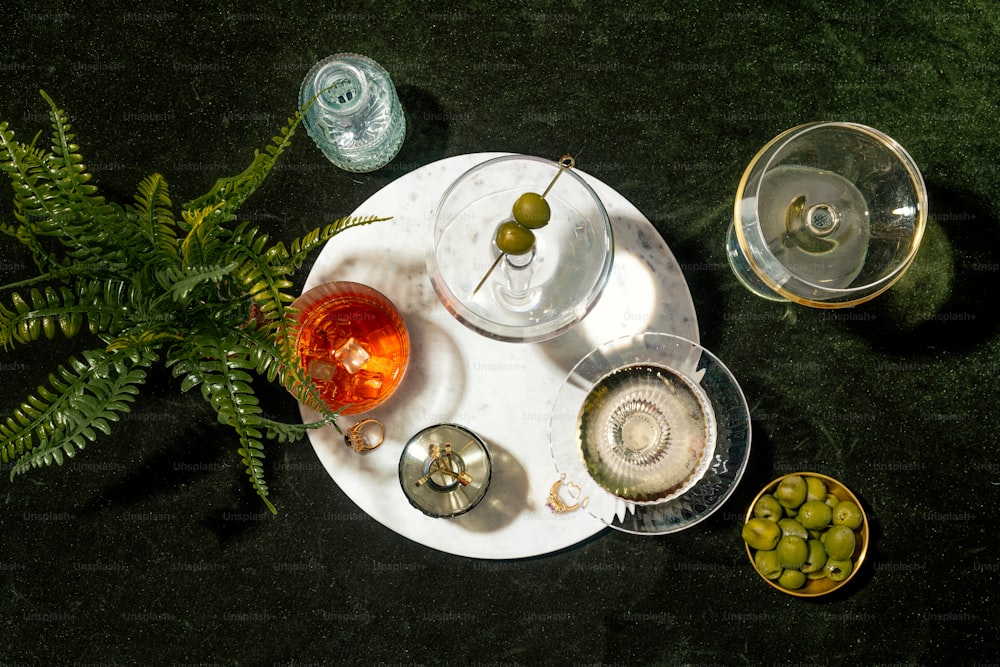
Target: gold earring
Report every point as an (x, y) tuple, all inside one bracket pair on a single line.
[(556, 504)]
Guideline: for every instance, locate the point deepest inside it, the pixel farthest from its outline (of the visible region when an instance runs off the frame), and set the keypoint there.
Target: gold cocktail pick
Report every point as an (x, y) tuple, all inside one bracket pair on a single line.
[(565, 162), (442, 464)]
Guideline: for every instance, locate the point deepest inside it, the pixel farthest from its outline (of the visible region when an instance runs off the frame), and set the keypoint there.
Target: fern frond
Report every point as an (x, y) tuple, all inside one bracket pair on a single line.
[(258, 276), (79, 400), (156, 219), (102, 304), (64, 273), (68, 172), (285, 432), (179, 283), (228, 194), (112, 302), (57, 206), (88, 227), (48, 310), (264, 270), (300, 248), (275, 359), (215, 361), (152, 337), (212, 293), (201, 242), (33, 196)]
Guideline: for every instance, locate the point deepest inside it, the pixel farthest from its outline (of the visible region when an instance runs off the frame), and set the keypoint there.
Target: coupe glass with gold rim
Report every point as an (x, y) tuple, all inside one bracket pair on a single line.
[(828, 215)]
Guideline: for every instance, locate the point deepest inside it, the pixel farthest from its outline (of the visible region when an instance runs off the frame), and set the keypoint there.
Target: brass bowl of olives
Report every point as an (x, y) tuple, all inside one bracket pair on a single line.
[(806, 534)]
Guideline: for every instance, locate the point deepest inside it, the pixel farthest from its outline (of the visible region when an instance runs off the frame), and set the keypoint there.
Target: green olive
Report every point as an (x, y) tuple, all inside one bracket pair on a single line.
[(838, 569), (791, 491), (767, 507), (532, 211), (514, 239), (792, 579), (839, 542), (792, 552), (767, 564), (816, 488), (814, 514), (761, 534), (792, 527), (816, 558), (847, 513)]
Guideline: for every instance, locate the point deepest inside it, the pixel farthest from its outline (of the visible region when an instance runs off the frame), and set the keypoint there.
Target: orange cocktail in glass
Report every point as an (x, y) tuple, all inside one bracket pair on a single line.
[(353, 344)]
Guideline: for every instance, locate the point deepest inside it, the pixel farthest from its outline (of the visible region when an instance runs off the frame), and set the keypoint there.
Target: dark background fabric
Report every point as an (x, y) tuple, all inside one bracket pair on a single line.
[(150, 548)]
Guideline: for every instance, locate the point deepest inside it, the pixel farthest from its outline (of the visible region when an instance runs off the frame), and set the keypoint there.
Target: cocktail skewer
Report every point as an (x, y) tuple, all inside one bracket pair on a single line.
[(565, 162)]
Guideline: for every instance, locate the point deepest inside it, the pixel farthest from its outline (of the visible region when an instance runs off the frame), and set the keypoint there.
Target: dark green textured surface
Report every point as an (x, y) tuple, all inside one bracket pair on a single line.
[(148, 548)]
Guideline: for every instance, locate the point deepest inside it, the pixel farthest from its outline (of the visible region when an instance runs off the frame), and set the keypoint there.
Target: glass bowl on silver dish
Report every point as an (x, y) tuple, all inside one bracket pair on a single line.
[(654, 430)]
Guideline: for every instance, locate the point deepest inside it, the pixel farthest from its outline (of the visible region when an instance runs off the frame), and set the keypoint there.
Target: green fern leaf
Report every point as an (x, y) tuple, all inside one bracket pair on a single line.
[(58, 308), (213, 294), (85, 224), (201, 242), (61, 214), (68, 170), (156, 219), (179, 283), (263, 283), (264, 270), (228, 194), (34, 199), (275, 359), (151, 337), (217, 361), (300, 248), (60, 419), (252, 453)]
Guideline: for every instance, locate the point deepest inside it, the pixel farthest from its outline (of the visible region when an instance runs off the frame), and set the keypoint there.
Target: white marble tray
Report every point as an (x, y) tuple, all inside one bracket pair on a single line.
[(503, 391)]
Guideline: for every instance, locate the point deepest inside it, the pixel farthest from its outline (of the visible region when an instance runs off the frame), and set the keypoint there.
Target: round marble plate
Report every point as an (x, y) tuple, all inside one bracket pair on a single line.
[(502, 391)]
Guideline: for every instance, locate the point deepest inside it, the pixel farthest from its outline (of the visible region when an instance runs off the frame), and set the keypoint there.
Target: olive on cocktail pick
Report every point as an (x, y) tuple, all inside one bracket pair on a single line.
[(530, 211), (514, 239)]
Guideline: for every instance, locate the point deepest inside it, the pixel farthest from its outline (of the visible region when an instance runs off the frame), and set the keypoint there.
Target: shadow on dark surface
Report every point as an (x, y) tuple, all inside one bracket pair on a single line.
[(968, 314), (704, 282), (508, 496), (427, 131), (167, 470), (873, 558), (759, 471), (238, 519)]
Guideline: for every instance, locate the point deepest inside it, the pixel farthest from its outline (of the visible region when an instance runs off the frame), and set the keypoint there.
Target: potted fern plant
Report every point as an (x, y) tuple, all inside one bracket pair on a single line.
[(201, 292)]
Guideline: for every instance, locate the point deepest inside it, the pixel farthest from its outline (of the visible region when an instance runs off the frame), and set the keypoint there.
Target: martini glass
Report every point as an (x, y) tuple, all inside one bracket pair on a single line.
[(827, 215), (534, 295)]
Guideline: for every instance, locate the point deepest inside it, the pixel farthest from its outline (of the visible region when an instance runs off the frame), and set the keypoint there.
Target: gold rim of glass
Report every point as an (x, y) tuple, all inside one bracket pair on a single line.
[(869, 291)]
